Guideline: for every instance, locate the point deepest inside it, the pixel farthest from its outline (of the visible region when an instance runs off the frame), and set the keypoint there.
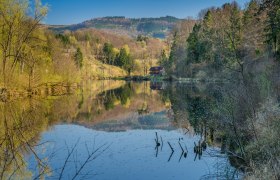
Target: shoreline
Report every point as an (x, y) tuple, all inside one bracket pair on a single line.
[(43, 90), (62, 88)]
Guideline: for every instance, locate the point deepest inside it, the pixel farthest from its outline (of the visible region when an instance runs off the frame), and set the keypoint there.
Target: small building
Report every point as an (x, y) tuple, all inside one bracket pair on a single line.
[(157, 71)]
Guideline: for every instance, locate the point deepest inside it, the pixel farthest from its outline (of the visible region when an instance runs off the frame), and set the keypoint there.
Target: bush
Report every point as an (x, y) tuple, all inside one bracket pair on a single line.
[(265, 153)]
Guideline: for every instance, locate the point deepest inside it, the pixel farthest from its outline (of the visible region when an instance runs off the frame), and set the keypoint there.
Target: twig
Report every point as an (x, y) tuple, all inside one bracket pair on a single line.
[(161, 143), (89, 159), (181, 147), (68, 156), (170, 146), (170, 156), (181, 156)]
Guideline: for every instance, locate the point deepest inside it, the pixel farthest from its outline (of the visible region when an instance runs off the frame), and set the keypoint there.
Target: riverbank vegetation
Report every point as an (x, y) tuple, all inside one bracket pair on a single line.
[(241, 46), (224, 39), (226, 44), (32, 54)]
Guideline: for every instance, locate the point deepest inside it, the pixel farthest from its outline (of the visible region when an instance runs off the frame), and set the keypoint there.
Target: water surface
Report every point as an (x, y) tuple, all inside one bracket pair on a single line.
[(113, 130)]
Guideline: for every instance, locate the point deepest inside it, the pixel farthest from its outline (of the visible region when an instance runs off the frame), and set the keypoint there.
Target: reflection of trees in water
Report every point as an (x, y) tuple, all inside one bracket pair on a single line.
[(21, 124), (191, 109), (88, 108), (121, 94), (124, 94), (230, 115), (197, 109), (23, 121)]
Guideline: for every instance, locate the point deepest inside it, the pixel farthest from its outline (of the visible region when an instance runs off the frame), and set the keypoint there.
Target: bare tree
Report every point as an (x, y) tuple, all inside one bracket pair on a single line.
[(16, 30)]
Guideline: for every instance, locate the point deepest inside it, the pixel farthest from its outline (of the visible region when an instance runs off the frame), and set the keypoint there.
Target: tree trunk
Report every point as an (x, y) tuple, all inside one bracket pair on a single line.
[(4, 70)]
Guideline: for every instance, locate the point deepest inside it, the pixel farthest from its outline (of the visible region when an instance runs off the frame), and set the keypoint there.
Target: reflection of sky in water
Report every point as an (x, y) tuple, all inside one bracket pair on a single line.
[(131, 154)]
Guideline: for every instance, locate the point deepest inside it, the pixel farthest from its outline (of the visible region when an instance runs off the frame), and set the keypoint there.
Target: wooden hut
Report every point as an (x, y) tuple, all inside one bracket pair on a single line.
[(157, 71)]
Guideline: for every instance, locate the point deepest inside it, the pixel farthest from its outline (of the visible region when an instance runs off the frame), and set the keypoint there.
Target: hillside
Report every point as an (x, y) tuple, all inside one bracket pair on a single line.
[(143, 54), (153, 27)]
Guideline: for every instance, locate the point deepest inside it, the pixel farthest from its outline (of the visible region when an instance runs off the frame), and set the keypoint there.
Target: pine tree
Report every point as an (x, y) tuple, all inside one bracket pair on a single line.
[(79, 58), (108, 50), (193, 45), (272, 7), (124, 60), (253, 29)]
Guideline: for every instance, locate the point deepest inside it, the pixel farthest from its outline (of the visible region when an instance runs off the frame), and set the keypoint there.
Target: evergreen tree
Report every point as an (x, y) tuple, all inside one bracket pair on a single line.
[(79, 58), (193, 45), (208, 19), (124, 60), (170, 65), (121, 58), (251, 12), (272, 7), (64, 39), (234, 33), (253, 29), (108, 50), (163, 57)]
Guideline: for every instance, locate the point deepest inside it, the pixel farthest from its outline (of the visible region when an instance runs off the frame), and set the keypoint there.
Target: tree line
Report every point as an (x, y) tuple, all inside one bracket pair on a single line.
[(32, 54), (240, 47), (121, 58), (224, 38)]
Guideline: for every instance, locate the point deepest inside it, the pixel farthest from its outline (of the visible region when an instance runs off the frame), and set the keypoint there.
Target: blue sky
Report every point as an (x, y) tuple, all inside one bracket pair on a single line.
[(76, 11)]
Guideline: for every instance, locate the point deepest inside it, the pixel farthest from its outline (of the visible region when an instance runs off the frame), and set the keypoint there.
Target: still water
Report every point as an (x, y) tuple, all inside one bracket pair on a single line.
[(113, 130)]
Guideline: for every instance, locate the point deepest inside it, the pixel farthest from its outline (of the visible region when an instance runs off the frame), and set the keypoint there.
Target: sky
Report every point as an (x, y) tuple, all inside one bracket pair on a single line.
[(65, 12)]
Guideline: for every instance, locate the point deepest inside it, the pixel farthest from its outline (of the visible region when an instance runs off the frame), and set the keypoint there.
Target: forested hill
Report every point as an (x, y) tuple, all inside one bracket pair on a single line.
[(154, 27)]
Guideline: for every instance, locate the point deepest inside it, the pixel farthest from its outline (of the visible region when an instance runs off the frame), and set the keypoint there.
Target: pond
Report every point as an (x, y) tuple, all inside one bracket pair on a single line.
[(114, 130)]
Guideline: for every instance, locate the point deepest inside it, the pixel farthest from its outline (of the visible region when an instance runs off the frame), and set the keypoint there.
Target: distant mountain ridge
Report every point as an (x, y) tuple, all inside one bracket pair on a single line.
[(154, 27)]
